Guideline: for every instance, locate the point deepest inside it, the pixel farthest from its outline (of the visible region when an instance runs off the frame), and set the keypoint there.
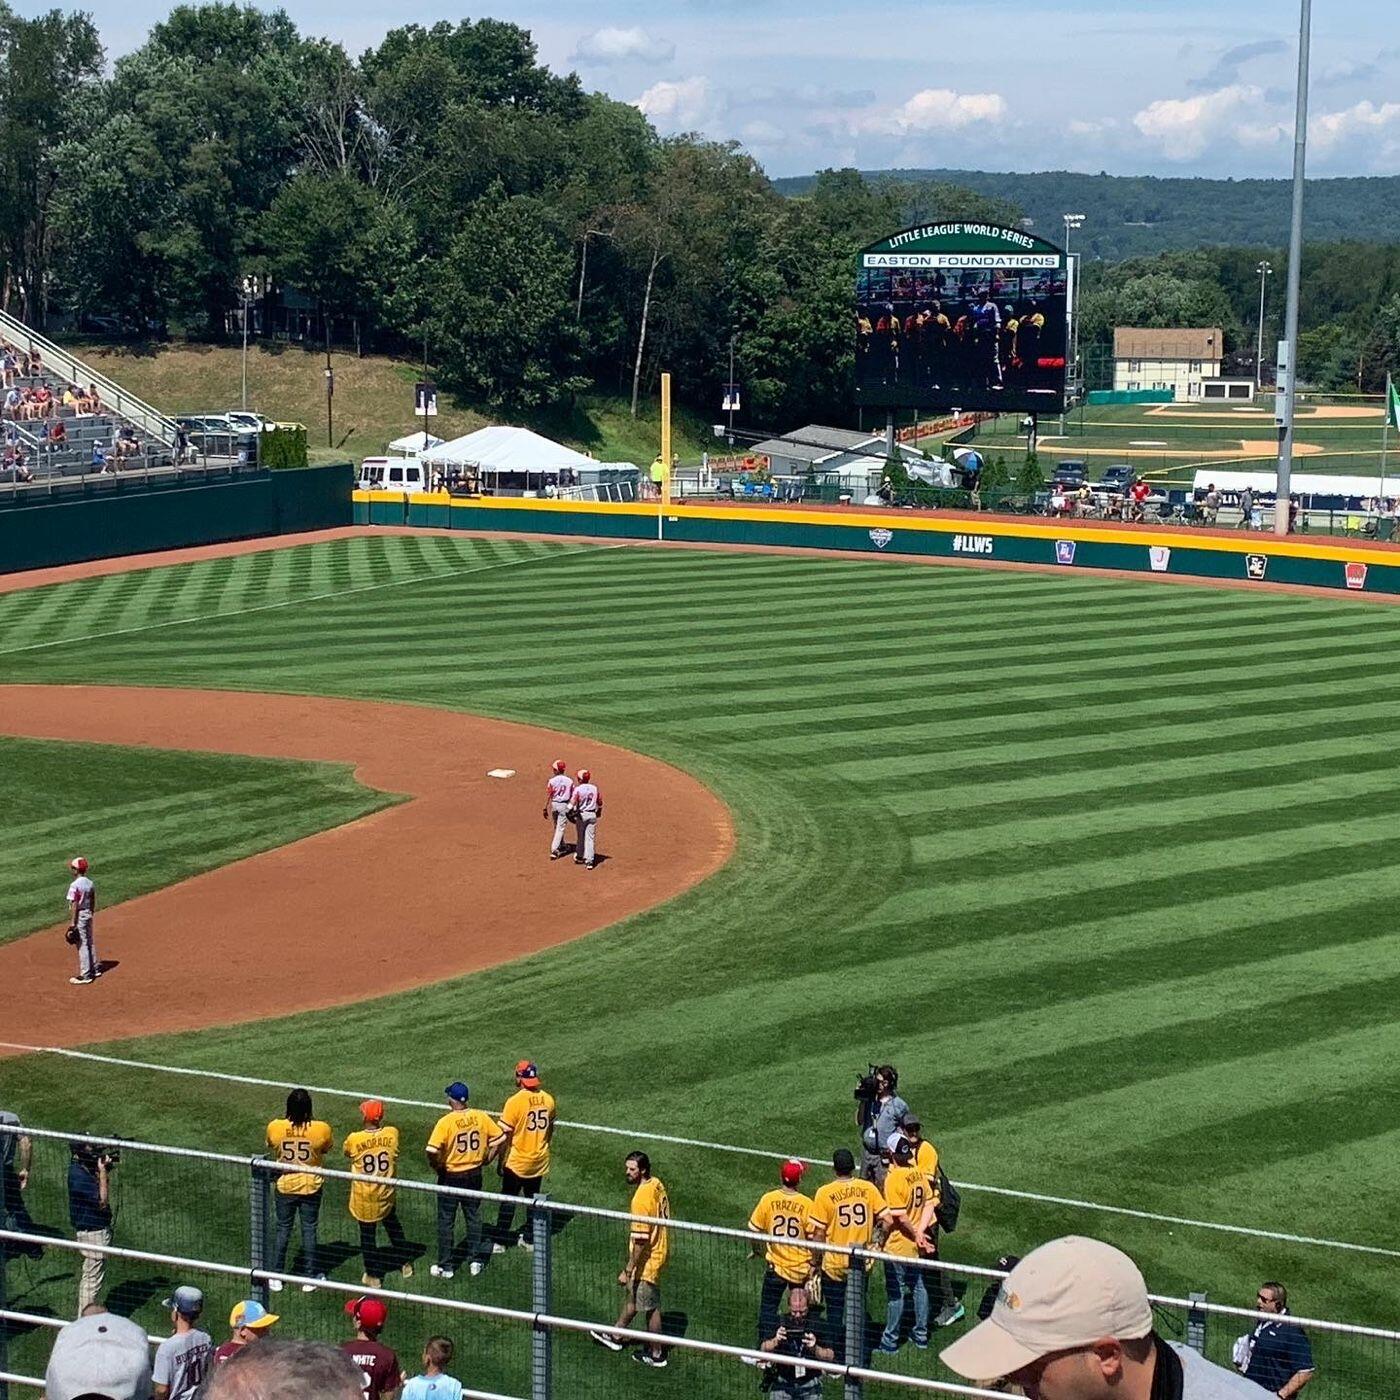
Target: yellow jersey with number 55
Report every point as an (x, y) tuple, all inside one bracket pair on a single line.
[(306, 1144), (463, 1139), (373, 1154), (846, 1208), (529, 1114)]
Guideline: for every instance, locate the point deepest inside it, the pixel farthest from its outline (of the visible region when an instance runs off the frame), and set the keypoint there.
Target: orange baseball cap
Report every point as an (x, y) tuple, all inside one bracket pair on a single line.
[(372, 1111), (528, 1073)]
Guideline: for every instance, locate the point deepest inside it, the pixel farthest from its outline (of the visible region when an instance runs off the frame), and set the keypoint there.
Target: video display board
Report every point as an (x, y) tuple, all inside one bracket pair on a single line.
[(963, 315)]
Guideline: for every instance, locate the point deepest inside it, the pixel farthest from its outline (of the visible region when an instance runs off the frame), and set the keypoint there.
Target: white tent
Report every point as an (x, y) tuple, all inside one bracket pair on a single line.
[(413, 444), (1303, 483), (513, 450)]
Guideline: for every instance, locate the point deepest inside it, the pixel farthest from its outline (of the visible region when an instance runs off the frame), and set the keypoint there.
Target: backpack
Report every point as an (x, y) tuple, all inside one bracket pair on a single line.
[(949, 1203)]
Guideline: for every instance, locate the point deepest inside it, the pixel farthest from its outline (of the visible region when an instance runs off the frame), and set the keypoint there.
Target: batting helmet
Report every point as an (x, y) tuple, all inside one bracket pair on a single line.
[(560, 766), (78, 863), (584, 775)]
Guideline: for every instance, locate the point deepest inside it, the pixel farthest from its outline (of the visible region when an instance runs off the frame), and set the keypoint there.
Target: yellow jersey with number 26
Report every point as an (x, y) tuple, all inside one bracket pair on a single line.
[(786, 1213)]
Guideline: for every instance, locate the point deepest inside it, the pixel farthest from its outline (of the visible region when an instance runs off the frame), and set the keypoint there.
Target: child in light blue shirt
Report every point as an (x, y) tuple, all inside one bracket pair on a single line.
[(434, 1383)]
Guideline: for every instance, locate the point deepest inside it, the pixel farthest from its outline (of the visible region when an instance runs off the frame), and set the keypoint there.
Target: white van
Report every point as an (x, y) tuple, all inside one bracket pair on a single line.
[(406, 474)]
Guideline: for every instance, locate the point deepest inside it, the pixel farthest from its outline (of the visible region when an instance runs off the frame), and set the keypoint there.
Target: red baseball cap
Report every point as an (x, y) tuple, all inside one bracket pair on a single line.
[(791, 1171), (368, 1312)]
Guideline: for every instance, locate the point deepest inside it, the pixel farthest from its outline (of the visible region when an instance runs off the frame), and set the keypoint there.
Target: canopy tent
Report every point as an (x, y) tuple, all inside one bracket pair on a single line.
[(413, 444), (508, 450)]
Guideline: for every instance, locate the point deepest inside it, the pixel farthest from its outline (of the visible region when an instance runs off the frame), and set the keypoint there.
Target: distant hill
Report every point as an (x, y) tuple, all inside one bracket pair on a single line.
[(1129, 215)]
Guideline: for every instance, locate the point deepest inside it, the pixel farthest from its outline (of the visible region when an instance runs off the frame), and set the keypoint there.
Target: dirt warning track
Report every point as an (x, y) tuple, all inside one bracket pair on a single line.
[(455, 879)]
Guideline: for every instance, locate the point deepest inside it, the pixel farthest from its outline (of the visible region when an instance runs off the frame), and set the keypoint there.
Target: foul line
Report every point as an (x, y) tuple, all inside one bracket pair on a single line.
[(1039, 1198), (308, 598)]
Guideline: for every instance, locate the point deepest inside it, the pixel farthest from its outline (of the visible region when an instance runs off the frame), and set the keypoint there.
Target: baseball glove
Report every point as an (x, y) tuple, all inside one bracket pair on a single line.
[(814, 1287), (70, 935)]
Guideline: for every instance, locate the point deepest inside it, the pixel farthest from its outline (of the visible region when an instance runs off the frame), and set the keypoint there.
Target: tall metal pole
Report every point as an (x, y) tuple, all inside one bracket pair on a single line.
[(1289, 357), (731, 386), (1385, 435), (424, 448), (330, 378), (244, 403), (1264, 271)]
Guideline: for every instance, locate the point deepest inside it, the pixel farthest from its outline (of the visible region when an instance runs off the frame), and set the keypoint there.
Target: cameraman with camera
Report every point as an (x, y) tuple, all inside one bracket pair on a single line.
[(90, 1210), (879, 1112), (797, 1337)]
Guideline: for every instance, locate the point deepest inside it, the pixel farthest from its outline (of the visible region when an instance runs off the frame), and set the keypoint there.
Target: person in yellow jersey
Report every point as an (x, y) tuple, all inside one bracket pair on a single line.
[(298, 1140), (947, 1308), (910, 1200), (528, 1121), (374, 1155), (648, 1247), (786, 1213), (845, 1211), (462, 1142)]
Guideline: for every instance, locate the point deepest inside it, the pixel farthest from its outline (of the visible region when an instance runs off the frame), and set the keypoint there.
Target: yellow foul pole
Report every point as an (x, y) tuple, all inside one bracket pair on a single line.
[(666, 439)]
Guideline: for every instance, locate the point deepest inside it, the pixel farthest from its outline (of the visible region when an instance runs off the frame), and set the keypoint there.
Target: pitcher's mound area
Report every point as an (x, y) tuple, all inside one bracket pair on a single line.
[(455, 879)]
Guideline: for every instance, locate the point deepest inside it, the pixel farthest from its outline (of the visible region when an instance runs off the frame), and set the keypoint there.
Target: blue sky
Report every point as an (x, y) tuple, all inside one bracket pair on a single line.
[(1167, 87)]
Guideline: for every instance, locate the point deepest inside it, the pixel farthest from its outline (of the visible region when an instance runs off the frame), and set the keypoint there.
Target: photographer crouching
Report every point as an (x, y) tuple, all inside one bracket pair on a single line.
[(797, 1337), (90, 1211), (879, 1112)]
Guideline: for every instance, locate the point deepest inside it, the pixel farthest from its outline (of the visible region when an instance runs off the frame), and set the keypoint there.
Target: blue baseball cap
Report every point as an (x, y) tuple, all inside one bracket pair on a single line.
[(457, 1091)]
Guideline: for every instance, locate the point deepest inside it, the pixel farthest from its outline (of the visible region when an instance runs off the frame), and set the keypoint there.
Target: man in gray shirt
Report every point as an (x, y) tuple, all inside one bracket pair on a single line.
[(16, 1152), (877, 1120), (183, 1358)]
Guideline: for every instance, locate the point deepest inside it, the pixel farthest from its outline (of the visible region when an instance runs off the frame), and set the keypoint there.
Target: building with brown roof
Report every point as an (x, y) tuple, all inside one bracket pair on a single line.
[(1178, 359)]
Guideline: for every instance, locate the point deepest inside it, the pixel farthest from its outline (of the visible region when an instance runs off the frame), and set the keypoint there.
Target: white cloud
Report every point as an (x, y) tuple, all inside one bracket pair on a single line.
[(1185, 126), (616, 45), (938, 109), (1365, 120), (761, 133), (682, 105)]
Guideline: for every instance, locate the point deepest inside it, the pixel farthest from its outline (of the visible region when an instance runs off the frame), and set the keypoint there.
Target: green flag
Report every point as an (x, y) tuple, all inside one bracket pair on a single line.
[(1392, 408)]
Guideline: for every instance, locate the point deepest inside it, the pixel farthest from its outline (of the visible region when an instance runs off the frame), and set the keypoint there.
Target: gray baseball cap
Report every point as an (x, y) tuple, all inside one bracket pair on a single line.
[(185, 1300), (102, 1355)]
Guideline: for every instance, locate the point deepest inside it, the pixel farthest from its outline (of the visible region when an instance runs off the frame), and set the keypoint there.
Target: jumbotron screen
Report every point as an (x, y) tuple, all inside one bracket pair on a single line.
[(962, 315)]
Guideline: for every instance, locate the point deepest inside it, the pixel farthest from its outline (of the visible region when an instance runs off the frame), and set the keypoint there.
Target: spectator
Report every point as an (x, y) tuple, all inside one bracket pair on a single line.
[(910, 1198), (301, 1139), (648, 1247), (13, 399), (1277, 1354), (94, 399), (435, 1383), (102, 1357), (71, 394), (99, 456), (183, 1358), (795, 1336), (1293, 515), (57, 434), (1246, 508), (845, 1211), (126, 443), (374, 1154), (90, 1211), (1210, 505), (293, 1370), (878, 1121), (9, 367), (250, 1322), (886, 491), (379, 1367), (16, 1153), (1139, 495), (787, 1214), (1072, 1320), (463, 1140), (43, 400)]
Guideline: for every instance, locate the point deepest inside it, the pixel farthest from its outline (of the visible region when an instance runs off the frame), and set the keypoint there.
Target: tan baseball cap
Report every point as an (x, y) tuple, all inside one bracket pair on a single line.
[(1069, 1293)]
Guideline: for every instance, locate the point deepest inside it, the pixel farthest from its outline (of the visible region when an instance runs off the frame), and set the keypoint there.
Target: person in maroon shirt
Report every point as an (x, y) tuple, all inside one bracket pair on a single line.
[(250, 1322), (378, 1365)]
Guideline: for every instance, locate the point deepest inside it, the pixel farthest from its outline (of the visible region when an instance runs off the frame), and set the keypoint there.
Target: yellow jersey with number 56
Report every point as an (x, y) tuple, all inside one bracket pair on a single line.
[(786, 1213), (463, 1139), (306, 1144), (529, 1114), (846, 1209), (373, 1154)]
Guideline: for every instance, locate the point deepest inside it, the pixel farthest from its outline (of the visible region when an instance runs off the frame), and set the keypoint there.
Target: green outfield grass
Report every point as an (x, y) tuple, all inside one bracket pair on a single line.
[(1106, 868)]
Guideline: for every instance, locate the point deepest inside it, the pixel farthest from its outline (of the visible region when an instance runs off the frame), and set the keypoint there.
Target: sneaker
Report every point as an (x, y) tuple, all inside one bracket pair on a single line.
[(84, 981), (274, 1285), (369, 1281), (578, 860), (477, 1267), (311, 1287), (920, 1342), (556, 855), (954, 1312), (588, 865), (439, 1271), (605, 1339), (887, 1349), (407, 1271), (526, 1245), (751, 1361), (649, 1358), (498, 1248)]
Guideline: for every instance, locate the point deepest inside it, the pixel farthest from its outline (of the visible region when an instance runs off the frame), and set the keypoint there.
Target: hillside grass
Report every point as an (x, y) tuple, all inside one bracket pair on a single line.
[(373, 400)]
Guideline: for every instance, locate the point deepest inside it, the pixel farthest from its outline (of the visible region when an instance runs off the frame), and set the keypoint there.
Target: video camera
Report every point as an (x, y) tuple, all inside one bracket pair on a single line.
[(92, 1153), (866, 1090)]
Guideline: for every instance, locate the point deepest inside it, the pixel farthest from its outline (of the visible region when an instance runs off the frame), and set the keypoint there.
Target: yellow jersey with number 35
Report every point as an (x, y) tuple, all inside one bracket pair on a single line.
[(529, 1114), (463, 1139), (373, 1153), (786, 1213), (306, 1144), (846, 1209), (650, 1199)]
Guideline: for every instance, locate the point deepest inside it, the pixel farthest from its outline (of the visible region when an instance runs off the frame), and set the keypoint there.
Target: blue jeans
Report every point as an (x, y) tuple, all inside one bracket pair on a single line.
[(290, 1208), (900, 1280)]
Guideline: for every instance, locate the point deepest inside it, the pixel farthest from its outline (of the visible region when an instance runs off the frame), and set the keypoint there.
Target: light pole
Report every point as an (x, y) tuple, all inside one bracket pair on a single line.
[(1073, 222), (1264, 271), (1288, 357), (246, 298)]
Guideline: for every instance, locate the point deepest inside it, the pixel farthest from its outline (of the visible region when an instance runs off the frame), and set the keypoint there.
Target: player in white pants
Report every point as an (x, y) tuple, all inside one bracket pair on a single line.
[(82, 901), (586, 805), (558, 791)]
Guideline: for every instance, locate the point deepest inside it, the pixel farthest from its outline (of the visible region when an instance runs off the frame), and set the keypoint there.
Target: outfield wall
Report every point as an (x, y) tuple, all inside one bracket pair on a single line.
[(1344, 565), (164, 513)]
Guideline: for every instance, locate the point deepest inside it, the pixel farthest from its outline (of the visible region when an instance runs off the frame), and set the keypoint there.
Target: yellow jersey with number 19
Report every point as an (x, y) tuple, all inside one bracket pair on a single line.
[(907, 1189), (373, 1153), (306, 1144), (650, 1199), (529, 1114)]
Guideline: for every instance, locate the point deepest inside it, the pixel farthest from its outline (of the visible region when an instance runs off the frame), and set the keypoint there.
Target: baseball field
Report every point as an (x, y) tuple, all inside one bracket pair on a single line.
[(1105, 868)]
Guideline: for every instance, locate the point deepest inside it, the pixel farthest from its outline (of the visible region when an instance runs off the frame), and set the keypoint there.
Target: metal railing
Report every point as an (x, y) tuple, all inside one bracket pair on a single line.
[(213, 1213), (54, 357)]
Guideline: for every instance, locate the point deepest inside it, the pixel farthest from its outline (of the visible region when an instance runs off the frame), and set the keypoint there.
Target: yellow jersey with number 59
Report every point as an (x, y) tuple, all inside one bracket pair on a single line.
[(529, 1114), (463, 1139), (846, 1209), (373, 1153), (305, 1144), (785, 1213)]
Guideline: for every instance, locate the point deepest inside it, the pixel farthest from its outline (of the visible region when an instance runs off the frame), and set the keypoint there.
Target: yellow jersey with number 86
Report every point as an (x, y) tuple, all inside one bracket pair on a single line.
[(373, 1154)]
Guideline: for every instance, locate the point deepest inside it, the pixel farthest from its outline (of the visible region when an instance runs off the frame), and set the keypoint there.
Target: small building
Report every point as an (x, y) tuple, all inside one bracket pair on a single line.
[(1179, 360), (857, 458)]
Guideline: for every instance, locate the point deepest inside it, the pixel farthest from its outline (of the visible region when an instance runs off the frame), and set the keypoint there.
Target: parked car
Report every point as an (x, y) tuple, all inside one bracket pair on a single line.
[(1116, 478)]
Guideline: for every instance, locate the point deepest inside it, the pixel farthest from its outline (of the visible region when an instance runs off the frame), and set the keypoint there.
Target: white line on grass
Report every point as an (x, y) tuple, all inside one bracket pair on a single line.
[(1215, 1225), (313, 597)]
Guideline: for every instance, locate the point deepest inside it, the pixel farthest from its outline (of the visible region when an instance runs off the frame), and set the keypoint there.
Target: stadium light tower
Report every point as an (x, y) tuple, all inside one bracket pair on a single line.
[(1265, 270), (1288, 347), (1072, 222)]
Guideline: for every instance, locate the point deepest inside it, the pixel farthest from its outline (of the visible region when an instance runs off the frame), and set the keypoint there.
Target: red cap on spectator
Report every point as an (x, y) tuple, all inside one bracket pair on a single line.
[(368, 1312), (791, 1171)]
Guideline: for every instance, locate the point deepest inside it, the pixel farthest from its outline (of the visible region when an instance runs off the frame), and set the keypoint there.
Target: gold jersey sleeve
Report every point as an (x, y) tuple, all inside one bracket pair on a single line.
[(650, 1199)]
